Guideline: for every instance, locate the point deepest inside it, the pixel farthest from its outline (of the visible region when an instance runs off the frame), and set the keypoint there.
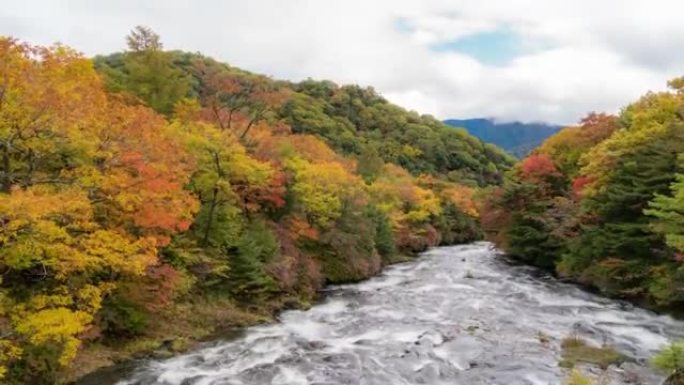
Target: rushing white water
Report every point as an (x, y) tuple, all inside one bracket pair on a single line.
[(456, 315)]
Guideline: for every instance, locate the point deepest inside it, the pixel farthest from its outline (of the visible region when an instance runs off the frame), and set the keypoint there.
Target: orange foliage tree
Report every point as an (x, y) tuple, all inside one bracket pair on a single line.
[(90, 189)]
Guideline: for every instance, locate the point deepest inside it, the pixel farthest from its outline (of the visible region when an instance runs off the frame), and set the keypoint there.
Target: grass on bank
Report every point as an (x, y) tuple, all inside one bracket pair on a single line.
[(181, 328), (577, 350)]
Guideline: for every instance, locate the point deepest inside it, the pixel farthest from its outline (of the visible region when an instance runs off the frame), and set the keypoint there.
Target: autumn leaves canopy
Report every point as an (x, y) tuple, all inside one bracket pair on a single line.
[(167, 177), (602, 202)]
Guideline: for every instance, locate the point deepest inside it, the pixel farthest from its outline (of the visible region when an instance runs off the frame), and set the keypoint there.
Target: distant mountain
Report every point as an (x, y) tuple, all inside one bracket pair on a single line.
[(515, 137)]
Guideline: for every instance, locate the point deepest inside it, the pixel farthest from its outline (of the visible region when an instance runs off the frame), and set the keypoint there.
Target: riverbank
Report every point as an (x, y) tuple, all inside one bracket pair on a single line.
[(185, 327), (675, 310)]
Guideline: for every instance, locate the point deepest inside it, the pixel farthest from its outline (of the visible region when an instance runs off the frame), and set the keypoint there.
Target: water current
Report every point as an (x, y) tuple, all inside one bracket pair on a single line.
[(455, 315)]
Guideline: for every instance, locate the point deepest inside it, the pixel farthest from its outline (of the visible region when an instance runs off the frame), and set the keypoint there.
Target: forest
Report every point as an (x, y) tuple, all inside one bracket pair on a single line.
[(602, 203), (152, 198)]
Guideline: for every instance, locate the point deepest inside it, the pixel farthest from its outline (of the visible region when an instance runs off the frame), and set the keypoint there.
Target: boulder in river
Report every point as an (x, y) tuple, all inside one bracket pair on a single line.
[(676, 378)]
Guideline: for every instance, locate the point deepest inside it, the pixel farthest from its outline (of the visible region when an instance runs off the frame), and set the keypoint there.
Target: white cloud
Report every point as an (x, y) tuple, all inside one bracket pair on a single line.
[(580, 55)]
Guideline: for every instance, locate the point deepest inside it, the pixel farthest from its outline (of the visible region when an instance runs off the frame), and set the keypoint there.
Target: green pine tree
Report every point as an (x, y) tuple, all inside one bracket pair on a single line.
[(248, 280)]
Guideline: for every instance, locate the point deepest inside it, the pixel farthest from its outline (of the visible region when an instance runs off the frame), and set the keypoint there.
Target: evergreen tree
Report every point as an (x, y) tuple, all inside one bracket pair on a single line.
[(617, 243), (370, 164), (147, 72), (247, 278), (668, 211), (530, 233), (384, 238)]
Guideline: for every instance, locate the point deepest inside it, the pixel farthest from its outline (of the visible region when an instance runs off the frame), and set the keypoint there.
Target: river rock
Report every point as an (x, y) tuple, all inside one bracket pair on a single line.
[(676, 378)]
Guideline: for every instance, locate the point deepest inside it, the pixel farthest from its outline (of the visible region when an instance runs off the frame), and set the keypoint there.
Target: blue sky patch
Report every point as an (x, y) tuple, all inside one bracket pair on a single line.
[(493, 48), (402, 25)]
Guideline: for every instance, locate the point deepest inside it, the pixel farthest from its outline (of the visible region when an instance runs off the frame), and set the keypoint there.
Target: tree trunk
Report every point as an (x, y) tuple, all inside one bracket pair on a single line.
[(28, 180), (214, 199), (217, 115), (6, 174), (244, 133), (257, 116), (210, 220)]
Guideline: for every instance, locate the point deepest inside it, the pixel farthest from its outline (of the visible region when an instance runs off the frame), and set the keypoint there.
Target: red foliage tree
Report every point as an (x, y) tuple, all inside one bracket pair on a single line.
[(538, 168), (578, 185)]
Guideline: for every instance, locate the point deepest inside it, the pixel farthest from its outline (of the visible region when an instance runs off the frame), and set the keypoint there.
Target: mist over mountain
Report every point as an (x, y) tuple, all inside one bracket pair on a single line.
[(515, 137)]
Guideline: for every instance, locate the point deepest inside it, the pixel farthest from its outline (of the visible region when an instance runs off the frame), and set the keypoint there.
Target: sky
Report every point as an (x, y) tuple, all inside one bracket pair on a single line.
[(527, 60)]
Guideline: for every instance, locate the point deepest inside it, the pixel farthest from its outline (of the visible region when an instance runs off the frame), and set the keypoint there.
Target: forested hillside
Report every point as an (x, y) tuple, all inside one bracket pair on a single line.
[(150, 198), (602, 203), (352, 120), (515, 137)]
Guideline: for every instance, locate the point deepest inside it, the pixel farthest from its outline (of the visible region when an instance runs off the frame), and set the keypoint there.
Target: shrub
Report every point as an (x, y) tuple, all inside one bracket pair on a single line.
[(670, 358), (577, 378)]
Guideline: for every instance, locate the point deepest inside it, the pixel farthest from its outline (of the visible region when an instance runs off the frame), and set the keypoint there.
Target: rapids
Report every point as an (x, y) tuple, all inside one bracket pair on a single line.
[(455, 315)]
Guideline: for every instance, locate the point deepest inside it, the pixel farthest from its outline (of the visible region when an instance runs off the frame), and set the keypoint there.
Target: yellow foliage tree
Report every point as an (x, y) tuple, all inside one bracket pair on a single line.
[(89, 189), (322, 188)]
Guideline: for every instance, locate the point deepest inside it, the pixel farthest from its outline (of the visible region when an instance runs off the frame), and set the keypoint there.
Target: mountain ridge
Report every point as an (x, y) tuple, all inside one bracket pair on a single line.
[(518, 138)]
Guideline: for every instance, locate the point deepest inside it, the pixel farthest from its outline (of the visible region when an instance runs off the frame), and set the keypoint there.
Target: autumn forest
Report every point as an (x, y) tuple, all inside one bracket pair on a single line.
[(153, 198), (602, 203)]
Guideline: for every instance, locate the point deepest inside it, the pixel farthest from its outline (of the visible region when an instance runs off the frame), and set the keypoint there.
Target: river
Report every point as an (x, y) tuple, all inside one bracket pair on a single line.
[(455, 315)]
